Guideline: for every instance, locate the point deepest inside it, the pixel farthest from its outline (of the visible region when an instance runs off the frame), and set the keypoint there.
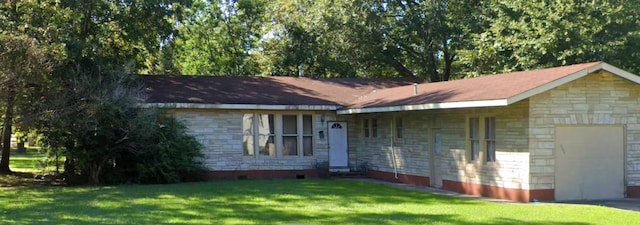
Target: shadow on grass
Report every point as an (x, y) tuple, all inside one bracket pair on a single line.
[(20, 180), (240, 202)]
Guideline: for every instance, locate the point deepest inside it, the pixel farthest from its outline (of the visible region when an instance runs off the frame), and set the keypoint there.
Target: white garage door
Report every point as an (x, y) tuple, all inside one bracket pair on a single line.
[(589, 162)]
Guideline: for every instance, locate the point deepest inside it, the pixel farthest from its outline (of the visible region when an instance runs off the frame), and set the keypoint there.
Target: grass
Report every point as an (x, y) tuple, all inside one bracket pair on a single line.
[(27, 201), (26, 162), (25, 167), (278, 202)]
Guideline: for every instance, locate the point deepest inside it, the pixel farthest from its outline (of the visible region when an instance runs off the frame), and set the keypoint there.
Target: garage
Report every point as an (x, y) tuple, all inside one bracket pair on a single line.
[(589, 162)]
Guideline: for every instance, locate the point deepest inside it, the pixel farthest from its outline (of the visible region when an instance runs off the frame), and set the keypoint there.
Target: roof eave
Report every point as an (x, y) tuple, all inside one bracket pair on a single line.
[(427, 106), (240, 106)]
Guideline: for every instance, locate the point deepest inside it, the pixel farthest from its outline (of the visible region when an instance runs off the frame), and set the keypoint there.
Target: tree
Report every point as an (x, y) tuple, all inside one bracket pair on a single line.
[(96, 120), (372, 38), (538, 34), (307, 38), (24, 64), (120, 32), (422, 38), (117, 32), (219, 37)]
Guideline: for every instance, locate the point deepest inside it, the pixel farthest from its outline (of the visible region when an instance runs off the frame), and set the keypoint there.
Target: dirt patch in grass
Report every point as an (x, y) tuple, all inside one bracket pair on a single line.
[(25, 179)]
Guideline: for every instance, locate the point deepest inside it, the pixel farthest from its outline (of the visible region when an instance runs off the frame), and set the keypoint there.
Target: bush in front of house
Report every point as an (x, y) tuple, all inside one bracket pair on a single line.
[(93, 115), (166, 155)]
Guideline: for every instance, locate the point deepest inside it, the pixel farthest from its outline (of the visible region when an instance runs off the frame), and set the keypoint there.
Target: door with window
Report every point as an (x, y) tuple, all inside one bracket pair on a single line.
[(338, 154)]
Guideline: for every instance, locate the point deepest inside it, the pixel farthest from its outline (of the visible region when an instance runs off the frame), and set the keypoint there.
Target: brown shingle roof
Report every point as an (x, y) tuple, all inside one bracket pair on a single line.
[(367, 95), (262, 90), (490, 87)]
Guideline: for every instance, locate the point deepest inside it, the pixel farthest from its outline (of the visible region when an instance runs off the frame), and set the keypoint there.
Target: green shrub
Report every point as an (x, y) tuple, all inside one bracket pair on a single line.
[(171, 155), (162, 153), (104, 134)]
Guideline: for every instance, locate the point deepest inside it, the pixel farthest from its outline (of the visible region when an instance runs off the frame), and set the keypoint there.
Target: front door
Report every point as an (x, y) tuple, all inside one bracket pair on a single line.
[(436, 149), (338, 155)]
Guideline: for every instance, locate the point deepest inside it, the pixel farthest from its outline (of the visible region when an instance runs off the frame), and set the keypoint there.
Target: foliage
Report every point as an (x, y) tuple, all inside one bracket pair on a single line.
[(434, 39), (52, 161), (167, 155), (281, 202), (419, 37), (87, 106), (118, 32), (539, 34), (92, 118), (171, 155), (219, 36), (366, 38), (115, 32), (24, 65), (96, 122)]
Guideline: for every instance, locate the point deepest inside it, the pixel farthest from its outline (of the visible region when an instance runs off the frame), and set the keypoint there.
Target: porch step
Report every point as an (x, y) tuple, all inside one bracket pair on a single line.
[(339, 169), (348, 174)]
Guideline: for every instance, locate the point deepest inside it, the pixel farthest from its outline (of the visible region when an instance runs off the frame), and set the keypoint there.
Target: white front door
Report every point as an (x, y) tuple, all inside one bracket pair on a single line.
[(338, 155)]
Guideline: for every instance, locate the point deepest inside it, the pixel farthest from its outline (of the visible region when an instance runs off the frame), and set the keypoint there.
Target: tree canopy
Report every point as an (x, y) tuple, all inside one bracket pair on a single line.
[(537, 34), (436, 40)]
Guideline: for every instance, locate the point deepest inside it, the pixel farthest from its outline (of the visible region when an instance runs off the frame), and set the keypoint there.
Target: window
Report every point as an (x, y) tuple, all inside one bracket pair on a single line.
[(370, 128), (474, 138), (247, 134), (273, 134), (266, 134), (289, 135), (399, 127), (365, 128), (374, 128), (490, 138), (307, 135), (482, 139)]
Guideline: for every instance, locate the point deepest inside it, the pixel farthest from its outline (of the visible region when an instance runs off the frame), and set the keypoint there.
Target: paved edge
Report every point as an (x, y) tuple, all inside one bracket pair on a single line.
[(630, 204)]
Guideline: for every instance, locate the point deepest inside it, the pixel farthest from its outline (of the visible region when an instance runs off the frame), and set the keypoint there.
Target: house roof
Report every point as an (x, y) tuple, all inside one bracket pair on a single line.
[(490, 90), (260, 92), (349, 96)]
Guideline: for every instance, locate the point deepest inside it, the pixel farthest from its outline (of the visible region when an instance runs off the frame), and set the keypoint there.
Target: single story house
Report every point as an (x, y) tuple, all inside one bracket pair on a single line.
[(563, 133)]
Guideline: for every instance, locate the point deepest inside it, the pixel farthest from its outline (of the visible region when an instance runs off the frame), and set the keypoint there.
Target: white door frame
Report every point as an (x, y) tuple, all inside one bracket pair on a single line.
[(341, 162)]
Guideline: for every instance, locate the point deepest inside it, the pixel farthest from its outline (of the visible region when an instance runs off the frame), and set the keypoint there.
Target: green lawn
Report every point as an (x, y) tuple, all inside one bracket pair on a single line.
[(278, 202), (30, 162), (26, 201), (27, 162)]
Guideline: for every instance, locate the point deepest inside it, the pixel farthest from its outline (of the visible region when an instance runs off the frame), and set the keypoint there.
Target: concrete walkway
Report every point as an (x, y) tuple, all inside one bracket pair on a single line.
[(431, 190), (632, 204)]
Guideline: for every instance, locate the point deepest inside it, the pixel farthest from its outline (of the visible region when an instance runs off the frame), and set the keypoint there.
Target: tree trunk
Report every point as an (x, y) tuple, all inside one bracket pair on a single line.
[(432, 67), (400, 68), (6, 132), (94, 173), (448, 63)]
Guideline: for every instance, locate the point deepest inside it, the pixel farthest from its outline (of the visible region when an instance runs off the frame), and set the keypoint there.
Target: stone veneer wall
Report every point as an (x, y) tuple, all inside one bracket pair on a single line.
[(412, 152), (220, 132), (598, 98), (375, 153)]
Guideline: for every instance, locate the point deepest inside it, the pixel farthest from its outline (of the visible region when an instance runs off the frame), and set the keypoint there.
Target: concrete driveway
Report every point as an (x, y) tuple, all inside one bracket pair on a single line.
[(632, 204)]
